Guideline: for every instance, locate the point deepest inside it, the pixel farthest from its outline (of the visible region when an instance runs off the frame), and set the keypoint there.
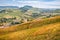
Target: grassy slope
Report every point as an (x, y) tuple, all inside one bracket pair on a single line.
[(46, 32), (46, 29), (35, 23), (15, 13)]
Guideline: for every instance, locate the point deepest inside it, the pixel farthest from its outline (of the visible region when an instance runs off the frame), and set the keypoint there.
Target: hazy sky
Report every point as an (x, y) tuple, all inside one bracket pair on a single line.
[(34, 3)]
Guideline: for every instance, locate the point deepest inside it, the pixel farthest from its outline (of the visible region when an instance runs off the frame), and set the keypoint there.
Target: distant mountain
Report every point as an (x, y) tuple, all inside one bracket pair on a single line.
[(8, 7), (25, 8), (37, 10)]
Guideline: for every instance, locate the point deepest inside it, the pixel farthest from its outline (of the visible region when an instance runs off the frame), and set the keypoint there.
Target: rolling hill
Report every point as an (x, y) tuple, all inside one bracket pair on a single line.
[(2, 7), (29, 23), (42, 29), (24, 14)]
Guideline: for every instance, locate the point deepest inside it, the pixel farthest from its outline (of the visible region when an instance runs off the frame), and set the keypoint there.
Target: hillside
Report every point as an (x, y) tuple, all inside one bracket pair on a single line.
[(42, 29), (11, 15)]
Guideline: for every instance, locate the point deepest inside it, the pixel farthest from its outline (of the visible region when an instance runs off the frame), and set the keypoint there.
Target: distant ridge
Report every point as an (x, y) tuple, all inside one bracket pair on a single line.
[(9, 7)]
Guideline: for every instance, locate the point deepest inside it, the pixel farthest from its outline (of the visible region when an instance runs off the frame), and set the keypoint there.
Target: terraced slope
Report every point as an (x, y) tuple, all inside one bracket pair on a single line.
[(45, 29)]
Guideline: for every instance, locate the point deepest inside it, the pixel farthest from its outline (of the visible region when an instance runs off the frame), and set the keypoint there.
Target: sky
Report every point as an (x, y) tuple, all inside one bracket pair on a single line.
[(34, 3)]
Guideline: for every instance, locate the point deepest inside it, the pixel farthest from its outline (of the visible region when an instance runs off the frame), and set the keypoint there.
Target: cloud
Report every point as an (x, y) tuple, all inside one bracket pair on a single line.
[(37, 0), (36, 3), (40, 4)]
